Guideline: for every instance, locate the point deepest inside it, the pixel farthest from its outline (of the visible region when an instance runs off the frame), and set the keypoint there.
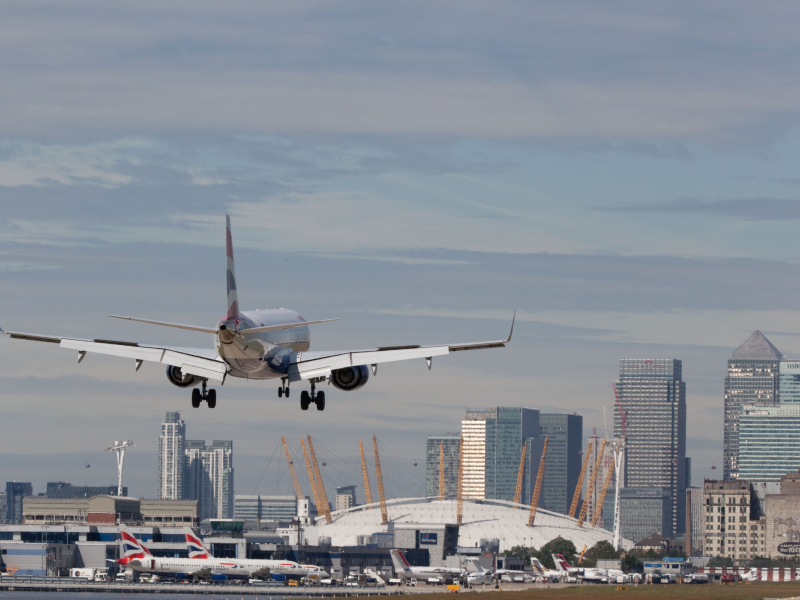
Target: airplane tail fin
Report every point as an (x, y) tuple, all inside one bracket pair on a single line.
[(561, 563), (537, 566), (196, 547), (233, 299), (399, 561), (130, 548)]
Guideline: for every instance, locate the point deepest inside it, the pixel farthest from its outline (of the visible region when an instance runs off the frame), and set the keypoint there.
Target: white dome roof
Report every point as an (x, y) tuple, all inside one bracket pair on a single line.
[(481, 519)]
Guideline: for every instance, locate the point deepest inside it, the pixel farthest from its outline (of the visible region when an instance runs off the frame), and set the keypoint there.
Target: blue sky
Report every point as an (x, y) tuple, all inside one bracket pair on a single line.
[(624, 175)]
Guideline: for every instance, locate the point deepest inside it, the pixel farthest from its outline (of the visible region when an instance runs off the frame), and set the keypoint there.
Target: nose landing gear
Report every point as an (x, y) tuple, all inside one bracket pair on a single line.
[(317, 398), (210, 396)]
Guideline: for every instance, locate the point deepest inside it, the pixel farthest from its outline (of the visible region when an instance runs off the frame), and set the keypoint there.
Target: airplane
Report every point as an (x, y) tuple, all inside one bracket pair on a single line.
[(543, 572), (261, 344), (277, 569), (404, 569), (589, 574)]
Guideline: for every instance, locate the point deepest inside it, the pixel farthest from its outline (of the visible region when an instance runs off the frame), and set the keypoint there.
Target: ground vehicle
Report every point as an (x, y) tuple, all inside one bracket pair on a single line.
[(729, 578), (394, 581), (90, 573), (435, 581)]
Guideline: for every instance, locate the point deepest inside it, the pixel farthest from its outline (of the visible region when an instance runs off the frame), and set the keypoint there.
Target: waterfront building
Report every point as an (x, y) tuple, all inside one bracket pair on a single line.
[(753, 372), (562, 465), (15, 492), (171, 457), (644, 511), (451, 444), (769, 441), (731, 528), (345, 497), (62, 489), (209, 477), (653, 399)]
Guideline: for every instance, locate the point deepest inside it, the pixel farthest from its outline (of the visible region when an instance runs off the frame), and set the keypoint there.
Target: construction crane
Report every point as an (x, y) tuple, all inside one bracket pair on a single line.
[(460, 494), (298, 491), (580, 558), (379, 477), (323, 496), (367, 490), (520, 475), (441, 471), (576, 497), (538, 488), (592, 481), (311, 479), (599, 508)]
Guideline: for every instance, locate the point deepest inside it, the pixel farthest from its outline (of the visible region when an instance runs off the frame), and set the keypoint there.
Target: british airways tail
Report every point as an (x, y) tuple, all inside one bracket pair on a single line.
[(131, 549), (233, 298), (196, 548)]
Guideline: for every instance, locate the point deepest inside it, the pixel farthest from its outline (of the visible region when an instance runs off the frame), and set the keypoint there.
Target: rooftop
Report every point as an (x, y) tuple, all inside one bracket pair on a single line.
[(757, 346)]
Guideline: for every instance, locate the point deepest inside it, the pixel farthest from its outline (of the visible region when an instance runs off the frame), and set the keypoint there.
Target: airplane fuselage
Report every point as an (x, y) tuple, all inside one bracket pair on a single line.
[(233, 568), (264, 355)]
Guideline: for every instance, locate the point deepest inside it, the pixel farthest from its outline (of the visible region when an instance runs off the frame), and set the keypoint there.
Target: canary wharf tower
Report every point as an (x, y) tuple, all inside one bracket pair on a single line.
[(752, 379)]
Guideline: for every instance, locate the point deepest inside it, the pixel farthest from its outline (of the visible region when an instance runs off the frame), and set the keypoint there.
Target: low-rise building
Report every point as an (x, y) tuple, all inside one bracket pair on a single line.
[(732, 527)]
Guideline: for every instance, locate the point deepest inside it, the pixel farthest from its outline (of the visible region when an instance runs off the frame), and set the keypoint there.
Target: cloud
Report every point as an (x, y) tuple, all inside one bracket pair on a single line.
[(749, 209)]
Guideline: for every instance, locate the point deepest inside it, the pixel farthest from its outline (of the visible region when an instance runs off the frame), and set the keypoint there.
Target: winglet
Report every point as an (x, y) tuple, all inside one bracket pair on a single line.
[(2, 330), (233, 298), (510, 333)]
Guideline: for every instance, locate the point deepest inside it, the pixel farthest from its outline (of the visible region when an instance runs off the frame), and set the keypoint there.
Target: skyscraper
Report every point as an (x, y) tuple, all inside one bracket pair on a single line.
[(171, 457), (451, 444), (15, 492), (473, 435), (769, 441), (753, 372), (653, 399), (506, 431), (209, 478), (562, 465)]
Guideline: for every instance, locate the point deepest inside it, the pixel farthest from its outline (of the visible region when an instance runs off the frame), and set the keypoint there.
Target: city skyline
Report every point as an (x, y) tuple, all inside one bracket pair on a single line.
[(615, 177)]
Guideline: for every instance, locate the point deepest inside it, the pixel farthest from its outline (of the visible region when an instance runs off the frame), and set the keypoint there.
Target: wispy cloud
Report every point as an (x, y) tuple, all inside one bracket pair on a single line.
[(749, 209)]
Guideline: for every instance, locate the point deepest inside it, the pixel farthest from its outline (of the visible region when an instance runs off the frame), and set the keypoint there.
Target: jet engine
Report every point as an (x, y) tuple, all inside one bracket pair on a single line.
[(350, 378), (176, 377)]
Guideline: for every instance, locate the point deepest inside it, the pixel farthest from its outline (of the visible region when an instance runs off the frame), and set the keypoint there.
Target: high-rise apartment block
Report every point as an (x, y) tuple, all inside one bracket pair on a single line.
[(171, 457), (345, 497), (209, 478), (753, 378), (473, 438), (653, 399), (450, 445), (562, 465)]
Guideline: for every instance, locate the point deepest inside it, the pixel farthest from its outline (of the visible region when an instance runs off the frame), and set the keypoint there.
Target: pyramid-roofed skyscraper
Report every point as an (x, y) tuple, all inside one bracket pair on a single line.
[(752, 379)]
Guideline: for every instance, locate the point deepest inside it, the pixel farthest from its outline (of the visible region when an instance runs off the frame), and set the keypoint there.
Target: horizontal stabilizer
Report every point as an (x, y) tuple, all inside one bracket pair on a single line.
[(287, 326), (164, 324)]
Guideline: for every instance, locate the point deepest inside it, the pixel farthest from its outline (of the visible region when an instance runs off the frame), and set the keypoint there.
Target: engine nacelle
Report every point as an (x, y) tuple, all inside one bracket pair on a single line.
[(177, 377), (350, 378)]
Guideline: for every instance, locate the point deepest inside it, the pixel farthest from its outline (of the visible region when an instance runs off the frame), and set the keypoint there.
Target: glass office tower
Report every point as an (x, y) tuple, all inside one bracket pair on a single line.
[(562, 465), (451, 445), (752, 378), (653, 399), (506, 432), (769, 441)]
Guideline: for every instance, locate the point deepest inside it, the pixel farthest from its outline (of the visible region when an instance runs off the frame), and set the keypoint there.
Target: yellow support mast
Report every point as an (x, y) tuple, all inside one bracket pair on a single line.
[(379, 477), (576, 497), (311, 479), (298, 491), (599, 508), (520, 475), (460, 493), (323, 496), (592, 481), (441, 471), (538, 488), (367, 490), (580, 558)]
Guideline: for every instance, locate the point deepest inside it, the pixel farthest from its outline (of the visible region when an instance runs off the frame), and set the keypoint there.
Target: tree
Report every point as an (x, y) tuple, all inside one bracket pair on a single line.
[(556, 546), (630, 563), (601, 550), (524, 553)]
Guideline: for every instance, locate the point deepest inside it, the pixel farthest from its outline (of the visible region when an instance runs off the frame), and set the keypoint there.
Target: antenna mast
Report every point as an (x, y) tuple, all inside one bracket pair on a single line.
[(119, 448)]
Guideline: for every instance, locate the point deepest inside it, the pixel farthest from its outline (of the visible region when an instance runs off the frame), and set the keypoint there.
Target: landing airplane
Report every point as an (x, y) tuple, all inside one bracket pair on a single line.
[(257, 344)]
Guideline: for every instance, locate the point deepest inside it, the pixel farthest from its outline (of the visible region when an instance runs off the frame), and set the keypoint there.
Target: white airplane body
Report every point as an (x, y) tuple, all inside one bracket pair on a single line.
[(255, 567), (258, 344), (590, 574), (404, 569)]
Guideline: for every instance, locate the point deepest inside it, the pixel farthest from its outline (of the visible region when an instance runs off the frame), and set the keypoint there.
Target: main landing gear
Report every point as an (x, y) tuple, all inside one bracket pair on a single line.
[(284, 389), (210, 396), (317, 398)]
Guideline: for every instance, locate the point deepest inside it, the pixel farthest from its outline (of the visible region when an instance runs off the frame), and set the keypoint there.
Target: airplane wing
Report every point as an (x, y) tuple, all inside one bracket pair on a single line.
[(201, 362), (311, 365)]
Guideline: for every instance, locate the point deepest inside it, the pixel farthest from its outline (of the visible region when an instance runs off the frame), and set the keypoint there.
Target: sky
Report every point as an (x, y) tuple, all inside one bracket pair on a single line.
[(622, 174)]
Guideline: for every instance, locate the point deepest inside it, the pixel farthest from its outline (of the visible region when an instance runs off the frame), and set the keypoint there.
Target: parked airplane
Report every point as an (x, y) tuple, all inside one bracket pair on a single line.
[(589, 574), (258, 344), (258, 567), (404, 569), (543, 571)]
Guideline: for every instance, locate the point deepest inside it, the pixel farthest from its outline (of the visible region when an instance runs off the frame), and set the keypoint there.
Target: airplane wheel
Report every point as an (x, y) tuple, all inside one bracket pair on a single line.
[(196, 399), (280, 392), (286, 391), (305, 400), (212, 398), (320, 400)]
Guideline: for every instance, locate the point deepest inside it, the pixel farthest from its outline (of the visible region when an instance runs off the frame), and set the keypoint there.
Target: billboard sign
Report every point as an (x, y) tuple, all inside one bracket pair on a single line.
[(428, 538), (789, 548), (790, 367)]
